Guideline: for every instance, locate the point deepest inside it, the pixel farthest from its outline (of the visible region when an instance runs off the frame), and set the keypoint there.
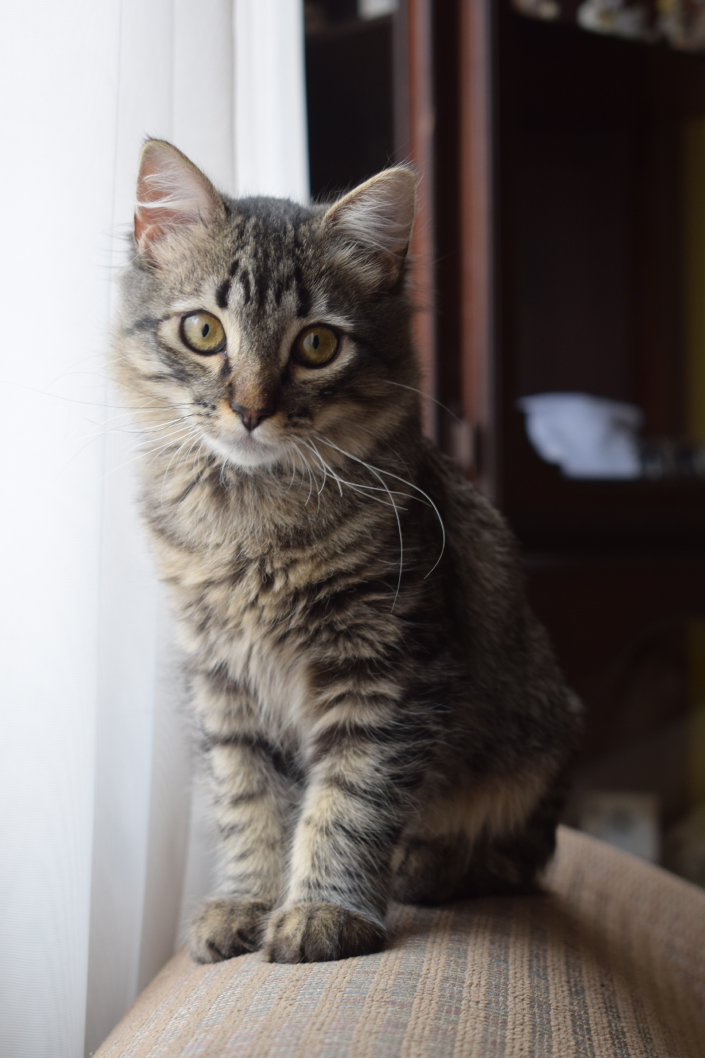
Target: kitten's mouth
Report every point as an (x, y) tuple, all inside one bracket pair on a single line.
[(247, 450)]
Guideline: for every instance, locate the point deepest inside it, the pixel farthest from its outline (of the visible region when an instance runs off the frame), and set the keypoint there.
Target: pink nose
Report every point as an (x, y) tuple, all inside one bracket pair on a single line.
[(252, 417)]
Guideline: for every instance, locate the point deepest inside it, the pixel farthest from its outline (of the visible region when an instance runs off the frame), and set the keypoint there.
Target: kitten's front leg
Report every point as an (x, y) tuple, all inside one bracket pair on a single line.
[(355, 807), (252, 796)]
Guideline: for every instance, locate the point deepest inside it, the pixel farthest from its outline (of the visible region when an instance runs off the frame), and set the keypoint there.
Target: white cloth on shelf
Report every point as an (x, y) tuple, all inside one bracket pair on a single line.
[(588, 437)]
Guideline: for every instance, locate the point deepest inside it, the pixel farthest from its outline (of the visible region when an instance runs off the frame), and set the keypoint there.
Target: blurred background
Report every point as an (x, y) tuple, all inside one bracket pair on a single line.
[(559, 275), (561, 251)]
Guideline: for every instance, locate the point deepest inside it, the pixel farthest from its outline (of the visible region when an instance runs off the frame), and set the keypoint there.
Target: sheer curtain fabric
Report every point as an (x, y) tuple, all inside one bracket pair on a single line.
[(102, 849)]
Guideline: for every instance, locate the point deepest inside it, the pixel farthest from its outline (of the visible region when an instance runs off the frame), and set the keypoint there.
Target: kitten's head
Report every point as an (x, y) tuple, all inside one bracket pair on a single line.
[(266, 323)]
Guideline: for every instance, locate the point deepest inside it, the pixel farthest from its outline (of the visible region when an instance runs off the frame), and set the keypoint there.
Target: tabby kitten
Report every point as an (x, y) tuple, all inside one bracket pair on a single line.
[(381, 715)]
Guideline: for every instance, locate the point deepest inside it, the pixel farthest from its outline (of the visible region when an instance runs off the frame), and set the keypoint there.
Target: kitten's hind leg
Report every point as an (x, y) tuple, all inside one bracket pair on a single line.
[(430, 870), (512, 861), (490, 841)]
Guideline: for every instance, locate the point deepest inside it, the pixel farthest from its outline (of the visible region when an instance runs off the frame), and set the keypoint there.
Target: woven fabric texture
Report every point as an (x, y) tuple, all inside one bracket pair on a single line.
[(609, 962)]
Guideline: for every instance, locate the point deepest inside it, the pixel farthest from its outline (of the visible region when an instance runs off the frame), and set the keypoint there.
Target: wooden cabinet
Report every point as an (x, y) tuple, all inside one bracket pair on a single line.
[(552, 255), (589, 278), (573, 218)]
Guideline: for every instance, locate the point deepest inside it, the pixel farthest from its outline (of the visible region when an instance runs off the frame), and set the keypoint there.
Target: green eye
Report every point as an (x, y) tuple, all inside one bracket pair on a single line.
[(203, 333), (316, 346)]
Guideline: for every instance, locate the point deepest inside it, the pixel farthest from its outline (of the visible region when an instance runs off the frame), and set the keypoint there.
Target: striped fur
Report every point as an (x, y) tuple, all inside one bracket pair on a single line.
[(380, 713)]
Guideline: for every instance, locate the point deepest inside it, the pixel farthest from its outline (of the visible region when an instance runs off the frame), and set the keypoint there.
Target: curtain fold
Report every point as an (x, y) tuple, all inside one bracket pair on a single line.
[(103, 849)]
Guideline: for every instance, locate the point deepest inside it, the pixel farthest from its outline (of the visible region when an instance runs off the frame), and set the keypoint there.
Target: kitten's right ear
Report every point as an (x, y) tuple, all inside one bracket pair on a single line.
[(373, 224), (172, 195)]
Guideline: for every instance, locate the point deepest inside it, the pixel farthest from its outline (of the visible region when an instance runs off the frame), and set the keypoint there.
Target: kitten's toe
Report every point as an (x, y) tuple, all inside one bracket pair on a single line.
[(227, 927), (320, 933)]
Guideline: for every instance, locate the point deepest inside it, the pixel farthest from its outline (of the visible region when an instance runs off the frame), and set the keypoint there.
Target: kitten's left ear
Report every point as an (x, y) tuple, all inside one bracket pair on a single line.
[(373, 222), (172, 195)]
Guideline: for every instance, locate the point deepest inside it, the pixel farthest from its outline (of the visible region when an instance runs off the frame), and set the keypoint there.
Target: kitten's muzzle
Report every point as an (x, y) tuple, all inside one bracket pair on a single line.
[(252, 417)]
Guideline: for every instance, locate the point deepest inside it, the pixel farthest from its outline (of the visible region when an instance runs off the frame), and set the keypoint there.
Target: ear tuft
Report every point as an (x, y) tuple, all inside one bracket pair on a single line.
[(172, 194), (374, 221)]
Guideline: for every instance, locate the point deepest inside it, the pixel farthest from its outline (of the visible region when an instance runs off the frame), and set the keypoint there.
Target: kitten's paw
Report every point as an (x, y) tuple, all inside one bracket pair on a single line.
[(227, 927), (320, 933)]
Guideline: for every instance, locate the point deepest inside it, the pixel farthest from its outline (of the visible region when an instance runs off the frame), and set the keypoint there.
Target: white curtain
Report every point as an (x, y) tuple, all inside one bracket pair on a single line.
[(102, 846)]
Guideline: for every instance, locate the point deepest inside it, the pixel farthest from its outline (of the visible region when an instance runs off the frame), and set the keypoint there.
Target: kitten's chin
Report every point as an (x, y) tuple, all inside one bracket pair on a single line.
[(247, 451)]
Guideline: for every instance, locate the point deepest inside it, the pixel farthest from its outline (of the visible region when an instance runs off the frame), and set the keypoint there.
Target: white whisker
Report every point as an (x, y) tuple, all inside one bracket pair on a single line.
[(141, 454), (358, 486), (396, 477), (310, 481), (326, 468), (426, 396), (293, 469), (174, 456)]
